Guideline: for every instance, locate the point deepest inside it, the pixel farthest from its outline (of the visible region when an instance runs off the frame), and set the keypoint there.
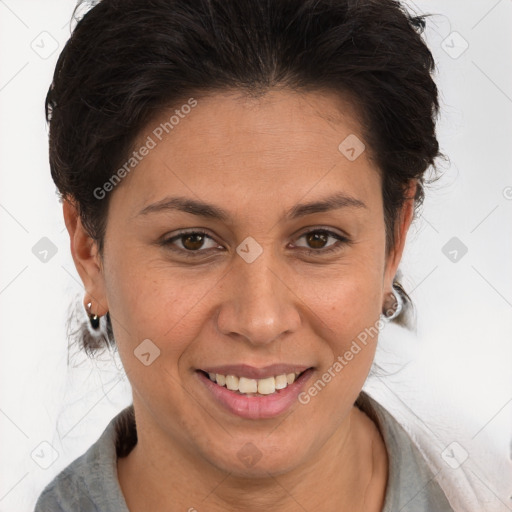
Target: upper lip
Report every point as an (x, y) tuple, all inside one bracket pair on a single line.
[(251, 372)]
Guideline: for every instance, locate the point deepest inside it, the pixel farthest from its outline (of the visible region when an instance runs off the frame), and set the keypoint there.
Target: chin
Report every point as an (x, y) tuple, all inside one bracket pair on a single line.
[(253, 459)]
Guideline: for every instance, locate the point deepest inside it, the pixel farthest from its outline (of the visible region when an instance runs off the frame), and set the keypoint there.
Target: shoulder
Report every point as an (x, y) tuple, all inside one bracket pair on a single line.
[(439, 469), (90, 482), (474, 474), (411, 486)]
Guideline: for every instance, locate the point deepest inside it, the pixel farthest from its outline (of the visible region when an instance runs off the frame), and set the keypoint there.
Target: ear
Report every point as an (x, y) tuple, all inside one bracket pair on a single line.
[(84, 250), (405, 217)]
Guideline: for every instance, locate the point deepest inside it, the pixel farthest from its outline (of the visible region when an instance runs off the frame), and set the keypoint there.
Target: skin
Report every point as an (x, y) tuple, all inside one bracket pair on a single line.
[(256, 159)]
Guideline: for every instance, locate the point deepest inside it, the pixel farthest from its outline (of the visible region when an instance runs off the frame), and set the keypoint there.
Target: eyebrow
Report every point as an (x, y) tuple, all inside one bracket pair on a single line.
[(207, 210)]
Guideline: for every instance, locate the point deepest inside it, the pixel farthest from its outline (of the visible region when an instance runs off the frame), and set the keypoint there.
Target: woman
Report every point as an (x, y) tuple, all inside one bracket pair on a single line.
[(238, 179)]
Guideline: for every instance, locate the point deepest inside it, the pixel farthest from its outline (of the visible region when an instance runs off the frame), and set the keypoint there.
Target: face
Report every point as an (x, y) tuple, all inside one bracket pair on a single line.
[(260, 285)]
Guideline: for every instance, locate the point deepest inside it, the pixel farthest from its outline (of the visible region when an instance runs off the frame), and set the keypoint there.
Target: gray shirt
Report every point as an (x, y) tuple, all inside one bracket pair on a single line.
[(90, 483)]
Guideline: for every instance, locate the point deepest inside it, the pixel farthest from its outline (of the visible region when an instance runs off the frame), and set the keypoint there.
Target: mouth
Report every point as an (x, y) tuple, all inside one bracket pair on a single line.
[(237, 390), (244, 385)]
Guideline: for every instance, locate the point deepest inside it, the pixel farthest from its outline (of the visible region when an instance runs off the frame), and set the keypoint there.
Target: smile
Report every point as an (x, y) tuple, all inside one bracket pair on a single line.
[(254, 387), (239, 391)]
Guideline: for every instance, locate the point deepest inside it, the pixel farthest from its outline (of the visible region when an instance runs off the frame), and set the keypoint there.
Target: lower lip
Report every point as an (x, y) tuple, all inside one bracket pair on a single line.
[(256, 407)]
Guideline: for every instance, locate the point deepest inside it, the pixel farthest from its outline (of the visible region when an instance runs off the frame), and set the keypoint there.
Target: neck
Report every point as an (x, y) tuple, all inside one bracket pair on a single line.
[(349, 472)]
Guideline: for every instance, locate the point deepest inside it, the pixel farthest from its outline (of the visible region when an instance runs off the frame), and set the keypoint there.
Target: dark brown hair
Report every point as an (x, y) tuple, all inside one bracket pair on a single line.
[(127, 60)]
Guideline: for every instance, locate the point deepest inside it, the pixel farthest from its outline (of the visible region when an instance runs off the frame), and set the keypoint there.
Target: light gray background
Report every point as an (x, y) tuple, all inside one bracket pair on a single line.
[(458, 374)]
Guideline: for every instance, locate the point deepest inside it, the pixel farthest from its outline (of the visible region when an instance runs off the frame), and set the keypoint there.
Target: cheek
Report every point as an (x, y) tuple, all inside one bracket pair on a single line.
[(349, 306), (349, 298), (149, 299), (350, 313)]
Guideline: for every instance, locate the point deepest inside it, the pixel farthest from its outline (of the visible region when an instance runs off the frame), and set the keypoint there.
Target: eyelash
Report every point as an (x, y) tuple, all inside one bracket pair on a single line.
[(308, 252)]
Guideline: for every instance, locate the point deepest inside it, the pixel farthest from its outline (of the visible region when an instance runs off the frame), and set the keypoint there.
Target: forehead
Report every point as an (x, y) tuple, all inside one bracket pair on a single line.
[(277, 120), (229, 145)]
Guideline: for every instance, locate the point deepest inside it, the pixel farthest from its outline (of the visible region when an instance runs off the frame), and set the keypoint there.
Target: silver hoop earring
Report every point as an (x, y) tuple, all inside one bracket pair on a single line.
[(94, 319), (391, 314)]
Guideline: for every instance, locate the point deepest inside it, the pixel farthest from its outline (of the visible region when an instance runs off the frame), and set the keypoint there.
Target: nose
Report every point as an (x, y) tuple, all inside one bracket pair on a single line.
[(259, 305)]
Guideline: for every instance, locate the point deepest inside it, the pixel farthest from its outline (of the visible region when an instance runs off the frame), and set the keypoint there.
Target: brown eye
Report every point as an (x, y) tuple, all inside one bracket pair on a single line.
[(317, 242), (317, 239), (192, 241)]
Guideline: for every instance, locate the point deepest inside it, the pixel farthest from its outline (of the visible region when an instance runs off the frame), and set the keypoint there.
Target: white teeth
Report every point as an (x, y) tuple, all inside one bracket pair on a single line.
[(281, 382), (248, 386), (232, 382), (266, 386)]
